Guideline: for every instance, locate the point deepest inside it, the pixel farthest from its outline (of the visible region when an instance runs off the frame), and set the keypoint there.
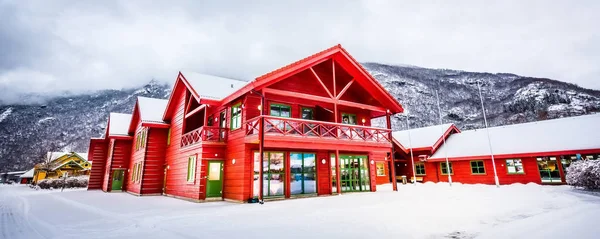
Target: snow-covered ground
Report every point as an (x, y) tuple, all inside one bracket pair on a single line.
[(421, 211)]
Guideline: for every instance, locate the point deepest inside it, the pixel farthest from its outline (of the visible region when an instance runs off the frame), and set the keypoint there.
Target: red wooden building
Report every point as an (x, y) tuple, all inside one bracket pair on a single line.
[(311, 119), (538, 152)]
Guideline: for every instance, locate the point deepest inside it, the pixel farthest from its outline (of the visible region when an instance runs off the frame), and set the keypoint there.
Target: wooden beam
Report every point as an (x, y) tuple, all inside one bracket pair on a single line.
[(333, 71), (299, 95), (320, 81), (345, 89), (189, 104), (195, 111), (362, 106)]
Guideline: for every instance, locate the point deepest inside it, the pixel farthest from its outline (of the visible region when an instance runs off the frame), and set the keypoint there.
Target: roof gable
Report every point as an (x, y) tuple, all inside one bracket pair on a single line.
[(425, 138), (341, 56), (148, 110), (565, 134), (118, 124)]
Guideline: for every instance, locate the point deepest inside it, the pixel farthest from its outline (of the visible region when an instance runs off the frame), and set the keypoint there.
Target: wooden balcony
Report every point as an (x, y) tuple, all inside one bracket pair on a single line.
[(311, 132), (204, 134)]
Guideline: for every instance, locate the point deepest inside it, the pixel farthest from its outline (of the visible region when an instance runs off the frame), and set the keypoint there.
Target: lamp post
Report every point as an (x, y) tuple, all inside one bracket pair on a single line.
[(448, 168), (261, 145), (412, 159), (488, 135)]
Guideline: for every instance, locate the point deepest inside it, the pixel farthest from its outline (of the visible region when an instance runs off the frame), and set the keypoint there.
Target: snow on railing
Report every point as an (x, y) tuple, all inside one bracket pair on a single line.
[(204, 134), (317, 129)]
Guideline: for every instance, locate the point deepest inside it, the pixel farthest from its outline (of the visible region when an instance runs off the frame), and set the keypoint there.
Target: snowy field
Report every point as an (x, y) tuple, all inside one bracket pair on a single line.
[(421, 211)]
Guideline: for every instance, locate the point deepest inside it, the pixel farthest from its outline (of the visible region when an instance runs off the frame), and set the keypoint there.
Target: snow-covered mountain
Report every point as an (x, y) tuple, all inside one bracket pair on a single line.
[(67, 123)]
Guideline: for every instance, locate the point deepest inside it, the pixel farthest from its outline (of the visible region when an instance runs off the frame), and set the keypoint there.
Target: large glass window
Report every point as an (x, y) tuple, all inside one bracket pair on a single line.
[(273, 174), (420, 168), (548, 168), (303, 178), (236, 116), (281, 110), (445, 168), (477, 167), (191, 168), (514, 166)]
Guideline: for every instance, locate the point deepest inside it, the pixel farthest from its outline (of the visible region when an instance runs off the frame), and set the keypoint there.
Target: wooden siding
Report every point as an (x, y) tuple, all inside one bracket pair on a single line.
[(137, 156), (97, 155), (324, 172), (154, 162), (177, 158)]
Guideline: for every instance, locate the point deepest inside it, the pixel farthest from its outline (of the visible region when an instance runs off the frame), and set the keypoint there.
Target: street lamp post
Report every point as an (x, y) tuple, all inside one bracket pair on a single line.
[(488, 135)]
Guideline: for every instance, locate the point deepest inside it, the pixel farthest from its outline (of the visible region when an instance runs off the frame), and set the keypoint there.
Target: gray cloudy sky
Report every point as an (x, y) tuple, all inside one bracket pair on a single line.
[(51, 46)]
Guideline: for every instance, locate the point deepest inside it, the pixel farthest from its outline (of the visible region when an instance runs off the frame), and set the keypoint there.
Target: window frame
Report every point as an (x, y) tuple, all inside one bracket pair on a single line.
[(304, 171), (280, 105), (515, 173), (477, 167), (312, 114), (442, 168), (191, 168), (382, 168), (417, 169), (235, 118), (349, 114), (139, 172), (169, 137)]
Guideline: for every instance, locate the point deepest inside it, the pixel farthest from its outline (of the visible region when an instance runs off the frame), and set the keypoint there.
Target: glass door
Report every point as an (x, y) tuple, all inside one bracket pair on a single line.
[(549, 172), (354, 173)]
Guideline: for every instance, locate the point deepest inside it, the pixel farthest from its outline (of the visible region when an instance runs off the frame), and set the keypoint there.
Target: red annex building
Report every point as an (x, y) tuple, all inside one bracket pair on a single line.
[(310, 119), (537, 152)]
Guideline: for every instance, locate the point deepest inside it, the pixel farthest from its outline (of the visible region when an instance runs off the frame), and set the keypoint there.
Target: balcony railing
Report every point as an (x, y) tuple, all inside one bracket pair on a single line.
[(204, 134), (317, 129)]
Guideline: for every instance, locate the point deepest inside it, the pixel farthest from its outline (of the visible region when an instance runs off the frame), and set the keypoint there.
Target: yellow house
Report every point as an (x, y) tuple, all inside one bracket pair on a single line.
[(59, 164)]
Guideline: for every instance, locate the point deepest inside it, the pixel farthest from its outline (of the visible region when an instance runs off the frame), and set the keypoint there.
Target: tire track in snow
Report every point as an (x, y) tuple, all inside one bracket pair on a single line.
[(13, 221)]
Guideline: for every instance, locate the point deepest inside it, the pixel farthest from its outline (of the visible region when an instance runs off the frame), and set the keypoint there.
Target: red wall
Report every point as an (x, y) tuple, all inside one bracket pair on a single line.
[(462, 172), (137, 156), (97, 154), (120, 160), (154, 163), (177, 158)]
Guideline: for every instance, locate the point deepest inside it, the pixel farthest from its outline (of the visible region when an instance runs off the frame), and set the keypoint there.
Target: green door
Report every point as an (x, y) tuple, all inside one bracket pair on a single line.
[(354, 172), (117, 180), (214, 180)]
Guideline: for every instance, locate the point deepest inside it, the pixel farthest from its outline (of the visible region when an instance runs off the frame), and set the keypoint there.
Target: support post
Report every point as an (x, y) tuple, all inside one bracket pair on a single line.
[(337, 172), (261, 145), (393, 168)]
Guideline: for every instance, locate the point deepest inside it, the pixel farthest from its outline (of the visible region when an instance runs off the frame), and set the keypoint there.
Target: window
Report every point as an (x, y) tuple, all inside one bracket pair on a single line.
[(169, 137), (139, 172), (210, 121), (303, 177), (420, 168), (308, 113), (445, 168), (348, 118), (273, 174), (281, 110), (236, 116), (133, 173), (140, 139), (380, 169), (477, 167), (514, 166), (191, 168)]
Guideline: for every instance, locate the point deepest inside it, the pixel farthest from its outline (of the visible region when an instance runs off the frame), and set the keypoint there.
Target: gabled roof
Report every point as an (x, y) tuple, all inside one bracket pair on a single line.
[(51, 156), (211, 87), (557, 135), (151, 110), (426, 138), (118, 124), (28, 174), (336, 51)]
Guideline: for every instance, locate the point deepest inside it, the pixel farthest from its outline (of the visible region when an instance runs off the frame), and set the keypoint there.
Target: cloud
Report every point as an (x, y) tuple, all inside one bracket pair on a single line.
[(50, 46)]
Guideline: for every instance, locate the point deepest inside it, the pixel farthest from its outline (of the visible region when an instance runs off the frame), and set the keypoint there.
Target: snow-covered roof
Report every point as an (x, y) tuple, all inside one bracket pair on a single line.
[(573, 133), (28, 174), (151, 110), (212, 87), (118, 124), (16, 172), (421, 137), (51, 156)]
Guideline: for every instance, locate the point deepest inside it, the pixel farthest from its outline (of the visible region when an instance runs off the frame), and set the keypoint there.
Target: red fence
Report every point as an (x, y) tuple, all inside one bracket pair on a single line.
[(317, 129), (204, 134)]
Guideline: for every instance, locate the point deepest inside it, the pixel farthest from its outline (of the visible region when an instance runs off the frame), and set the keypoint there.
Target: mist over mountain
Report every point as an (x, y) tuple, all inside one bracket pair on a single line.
[(66, 123)]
